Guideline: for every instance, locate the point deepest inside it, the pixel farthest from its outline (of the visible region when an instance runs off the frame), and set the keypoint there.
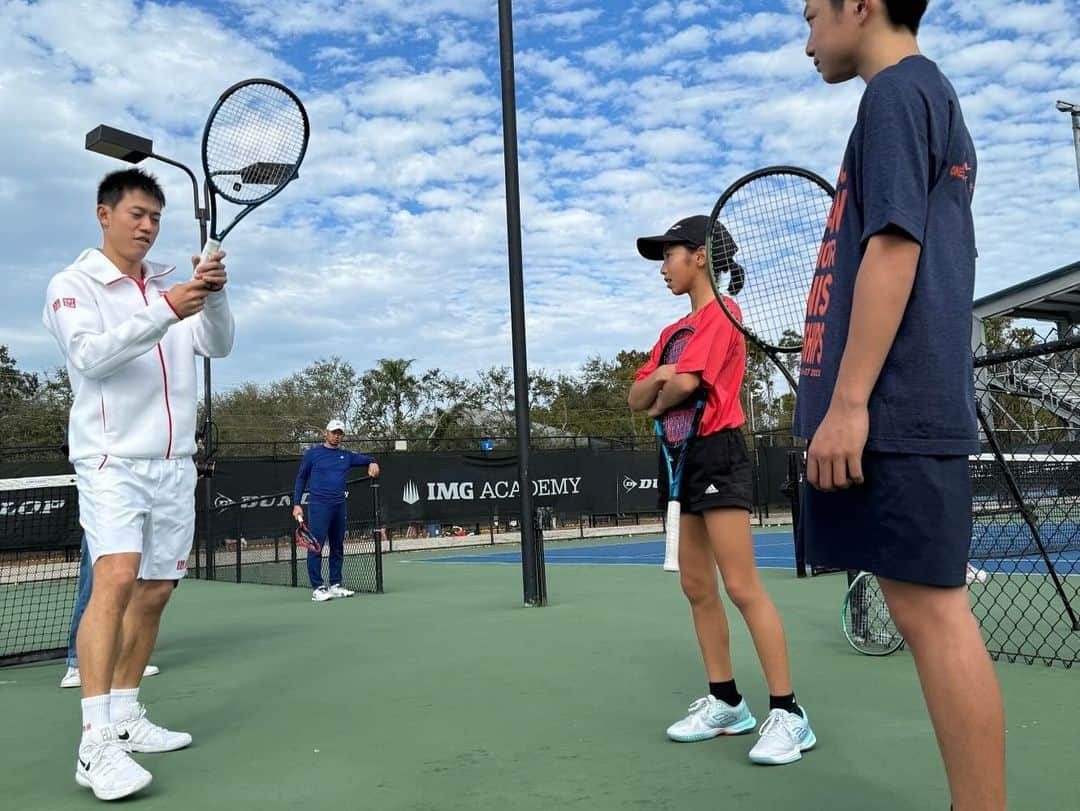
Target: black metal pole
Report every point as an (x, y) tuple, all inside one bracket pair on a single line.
[(201, 214), (532, 560), (1076, 139)]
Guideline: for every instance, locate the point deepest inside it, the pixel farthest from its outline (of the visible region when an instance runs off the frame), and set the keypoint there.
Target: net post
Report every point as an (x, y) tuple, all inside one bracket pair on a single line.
[(791, 487), (376, 532), (292, 564)]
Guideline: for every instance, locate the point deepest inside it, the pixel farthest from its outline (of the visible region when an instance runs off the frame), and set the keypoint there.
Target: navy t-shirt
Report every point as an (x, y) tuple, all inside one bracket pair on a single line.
[(909, 166), (323, 472)]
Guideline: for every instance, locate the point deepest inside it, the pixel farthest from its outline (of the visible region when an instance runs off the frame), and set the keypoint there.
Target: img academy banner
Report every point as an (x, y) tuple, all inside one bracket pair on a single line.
[(252, 498), (455, 487), (472, 486)]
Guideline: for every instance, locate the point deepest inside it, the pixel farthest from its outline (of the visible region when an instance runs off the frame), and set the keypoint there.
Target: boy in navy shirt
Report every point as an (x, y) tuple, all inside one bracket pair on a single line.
[(886, 396), (322, 473)]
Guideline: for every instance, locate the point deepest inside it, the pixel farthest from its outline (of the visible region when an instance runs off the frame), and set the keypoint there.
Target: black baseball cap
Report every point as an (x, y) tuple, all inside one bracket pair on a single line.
[(687, 231)]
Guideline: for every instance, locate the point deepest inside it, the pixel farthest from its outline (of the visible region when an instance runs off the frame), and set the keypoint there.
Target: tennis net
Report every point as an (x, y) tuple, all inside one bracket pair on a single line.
[(40, 540)]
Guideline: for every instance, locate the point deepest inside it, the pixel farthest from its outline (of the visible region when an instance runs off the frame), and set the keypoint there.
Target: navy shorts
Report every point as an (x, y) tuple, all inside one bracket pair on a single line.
[(910, 520), (718, 474)]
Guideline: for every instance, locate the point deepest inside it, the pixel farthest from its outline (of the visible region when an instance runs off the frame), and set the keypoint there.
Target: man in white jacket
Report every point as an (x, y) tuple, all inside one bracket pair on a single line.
[(130, 337)]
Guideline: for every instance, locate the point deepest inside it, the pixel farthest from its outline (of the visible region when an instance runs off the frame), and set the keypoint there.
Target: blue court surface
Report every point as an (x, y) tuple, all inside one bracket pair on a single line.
[(772, 550)]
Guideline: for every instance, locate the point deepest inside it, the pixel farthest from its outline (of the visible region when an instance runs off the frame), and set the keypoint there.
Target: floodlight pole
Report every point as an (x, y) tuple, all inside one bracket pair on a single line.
[(1074, 110), (133, 149), (532, 553)]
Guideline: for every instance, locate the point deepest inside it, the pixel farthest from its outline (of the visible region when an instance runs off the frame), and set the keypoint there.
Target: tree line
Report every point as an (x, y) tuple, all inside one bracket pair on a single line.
[(430, 408)]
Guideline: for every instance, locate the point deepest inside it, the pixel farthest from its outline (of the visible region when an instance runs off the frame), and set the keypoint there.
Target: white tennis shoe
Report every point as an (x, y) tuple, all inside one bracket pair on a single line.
[(784, 737), (143, 735), (338, 590), (709, 717), (104, 766)]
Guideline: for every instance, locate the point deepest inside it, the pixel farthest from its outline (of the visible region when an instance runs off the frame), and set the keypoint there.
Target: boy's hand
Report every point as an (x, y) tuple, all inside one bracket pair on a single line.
[(834, 460)]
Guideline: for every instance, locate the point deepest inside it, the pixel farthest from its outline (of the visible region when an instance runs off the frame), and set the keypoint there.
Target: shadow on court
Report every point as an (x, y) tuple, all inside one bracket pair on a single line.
[(444, 694)]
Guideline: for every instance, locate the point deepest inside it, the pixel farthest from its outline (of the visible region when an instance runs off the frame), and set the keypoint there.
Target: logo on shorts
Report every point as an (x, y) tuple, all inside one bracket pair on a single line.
[(711, 490), (181, 565)]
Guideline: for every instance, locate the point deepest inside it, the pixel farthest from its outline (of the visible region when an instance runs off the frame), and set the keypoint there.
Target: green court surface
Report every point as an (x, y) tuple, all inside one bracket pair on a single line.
[(444, 693)]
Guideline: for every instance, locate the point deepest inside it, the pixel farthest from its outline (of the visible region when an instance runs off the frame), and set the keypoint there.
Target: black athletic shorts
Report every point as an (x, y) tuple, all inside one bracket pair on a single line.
[(718, 473)]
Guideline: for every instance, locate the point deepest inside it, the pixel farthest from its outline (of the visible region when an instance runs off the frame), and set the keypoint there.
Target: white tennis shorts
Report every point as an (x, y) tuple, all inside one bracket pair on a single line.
[(145, 506)]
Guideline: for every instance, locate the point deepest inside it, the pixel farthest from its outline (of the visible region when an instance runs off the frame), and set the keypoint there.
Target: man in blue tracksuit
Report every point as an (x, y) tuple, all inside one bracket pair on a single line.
[(322, 473)]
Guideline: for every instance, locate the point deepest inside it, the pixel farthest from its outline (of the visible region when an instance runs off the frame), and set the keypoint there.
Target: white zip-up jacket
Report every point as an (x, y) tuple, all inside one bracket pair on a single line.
[(130, 358)]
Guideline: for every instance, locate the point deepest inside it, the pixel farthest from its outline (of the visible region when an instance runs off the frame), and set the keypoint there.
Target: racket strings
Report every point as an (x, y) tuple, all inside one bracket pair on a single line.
[(677, 422), (777, 223), (254, 142), (868, 620)]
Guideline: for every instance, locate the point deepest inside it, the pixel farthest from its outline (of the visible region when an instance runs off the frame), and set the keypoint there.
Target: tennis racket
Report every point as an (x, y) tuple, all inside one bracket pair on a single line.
[(675, 428), (252, 146), (866, 620), (774, 219), (304, 538)]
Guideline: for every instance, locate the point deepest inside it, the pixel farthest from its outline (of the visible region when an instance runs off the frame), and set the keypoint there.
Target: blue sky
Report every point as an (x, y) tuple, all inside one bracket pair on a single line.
[(392, 243)]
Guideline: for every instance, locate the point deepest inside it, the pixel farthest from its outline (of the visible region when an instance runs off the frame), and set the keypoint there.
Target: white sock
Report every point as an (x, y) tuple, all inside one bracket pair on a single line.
[(95, 714), (123, 704)]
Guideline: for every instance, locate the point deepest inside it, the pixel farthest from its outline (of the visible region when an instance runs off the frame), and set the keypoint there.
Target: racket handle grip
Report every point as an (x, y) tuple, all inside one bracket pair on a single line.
[(210, 246), (671, 542)]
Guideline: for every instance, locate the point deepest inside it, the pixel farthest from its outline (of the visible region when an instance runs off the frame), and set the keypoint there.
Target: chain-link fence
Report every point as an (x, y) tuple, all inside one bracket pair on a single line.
[(1025, 547)]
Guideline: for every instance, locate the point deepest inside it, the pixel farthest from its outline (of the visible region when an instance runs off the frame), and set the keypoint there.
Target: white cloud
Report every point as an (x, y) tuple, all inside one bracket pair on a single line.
[(392, 242)]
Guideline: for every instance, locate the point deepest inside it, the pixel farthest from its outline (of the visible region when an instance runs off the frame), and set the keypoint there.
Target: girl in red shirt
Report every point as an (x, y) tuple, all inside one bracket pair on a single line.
[(716, 501)]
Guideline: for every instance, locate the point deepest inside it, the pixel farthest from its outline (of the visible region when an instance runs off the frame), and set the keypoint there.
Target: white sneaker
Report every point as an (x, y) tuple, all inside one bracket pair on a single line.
[(976, 575), (72, 678), (322, 594), (143, 735), (709, 717), (784, 737), (338, 590), (104, 766)]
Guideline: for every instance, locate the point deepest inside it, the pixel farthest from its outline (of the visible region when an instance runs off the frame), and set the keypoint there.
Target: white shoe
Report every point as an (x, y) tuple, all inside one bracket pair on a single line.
[(72, 679), (709, 717), (104, 766), (976, 575), (322, 594), (338, 590), (784, 737), (143, 735)]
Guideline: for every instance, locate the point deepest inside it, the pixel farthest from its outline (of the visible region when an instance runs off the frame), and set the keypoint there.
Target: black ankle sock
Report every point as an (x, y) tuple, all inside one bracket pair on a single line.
[(785, 703), (725, 691)]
